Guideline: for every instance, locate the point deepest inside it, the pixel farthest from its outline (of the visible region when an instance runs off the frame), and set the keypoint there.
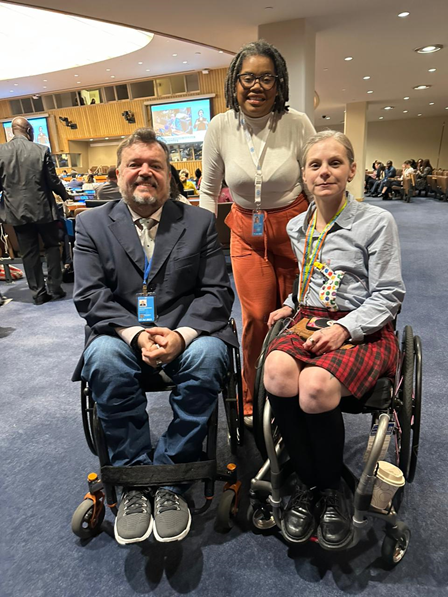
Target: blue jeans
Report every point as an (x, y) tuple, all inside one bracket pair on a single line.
[(116, 377)]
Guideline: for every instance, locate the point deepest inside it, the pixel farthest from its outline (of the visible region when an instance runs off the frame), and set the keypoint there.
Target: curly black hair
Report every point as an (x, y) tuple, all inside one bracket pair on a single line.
[(258, 48)]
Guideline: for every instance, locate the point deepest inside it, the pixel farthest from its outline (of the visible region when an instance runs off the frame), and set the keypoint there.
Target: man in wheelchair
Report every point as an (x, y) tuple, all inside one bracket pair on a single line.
[(151, 283), (340, 339)]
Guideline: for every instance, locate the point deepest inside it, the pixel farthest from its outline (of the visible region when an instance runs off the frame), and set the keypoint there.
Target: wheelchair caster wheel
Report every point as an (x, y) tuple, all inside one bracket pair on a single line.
[(226, 511), (394, 549), (82, 520), (260, 518)]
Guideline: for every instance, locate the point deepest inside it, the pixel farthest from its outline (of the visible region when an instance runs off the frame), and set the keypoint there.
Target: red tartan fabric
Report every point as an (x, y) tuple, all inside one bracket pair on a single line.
[(357, 368)]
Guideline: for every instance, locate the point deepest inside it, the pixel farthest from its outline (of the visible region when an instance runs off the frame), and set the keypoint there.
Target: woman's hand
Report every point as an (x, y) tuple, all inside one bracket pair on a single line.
[(279, 314), (324, 341)]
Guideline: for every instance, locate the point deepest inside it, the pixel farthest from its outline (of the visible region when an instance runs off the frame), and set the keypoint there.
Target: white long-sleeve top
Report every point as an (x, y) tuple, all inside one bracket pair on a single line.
[(226, 156)]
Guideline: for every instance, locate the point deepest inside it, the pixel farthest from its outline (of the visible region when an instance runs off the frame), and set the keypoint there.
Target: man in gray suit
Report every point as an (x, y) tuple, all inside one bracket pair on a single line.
[(27, 179), (152, 285)]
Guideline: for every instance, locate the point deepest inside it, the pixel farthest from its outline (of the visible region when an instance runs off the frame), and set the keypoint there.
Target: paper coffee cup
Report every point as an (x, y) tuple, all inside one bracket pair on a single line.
[(388, 479)]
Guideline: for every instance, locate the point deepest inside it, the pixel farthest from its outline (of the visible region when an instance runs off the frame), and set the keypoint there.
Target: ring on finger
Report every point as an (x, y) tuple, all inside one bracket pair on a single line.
[(158, 363)]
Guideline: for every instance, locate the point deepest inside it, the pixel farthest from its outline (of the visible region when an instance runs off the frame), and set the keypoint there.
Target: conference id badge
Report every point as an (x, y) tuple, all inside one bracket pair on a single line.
[(257, 223), (146, 308)]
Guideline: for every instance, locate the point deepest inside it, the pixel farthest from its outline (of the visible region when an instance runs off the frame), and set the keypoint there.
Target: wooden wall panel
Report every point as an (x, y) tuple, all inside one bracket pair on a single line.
[(214, 83), (191, 166), (5, 109)]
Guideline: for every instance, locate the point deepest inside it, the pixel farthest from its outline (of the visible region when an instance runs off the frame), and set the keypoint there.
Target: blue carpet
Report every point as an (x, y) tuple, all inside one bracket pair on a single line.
[(45, 461)]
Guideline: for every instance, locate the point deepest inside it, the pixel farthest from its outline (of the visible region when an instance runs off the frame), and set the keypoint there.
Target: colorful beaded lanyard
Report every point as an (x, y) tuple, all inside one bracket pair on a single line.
[(328, 290)]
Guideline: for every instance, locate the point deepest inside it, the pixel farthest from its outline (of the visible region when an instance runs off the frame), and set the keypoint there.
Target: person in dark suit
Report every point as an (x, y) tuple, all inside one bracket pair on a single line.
[(109, 190), (28, 179), (129, 254)]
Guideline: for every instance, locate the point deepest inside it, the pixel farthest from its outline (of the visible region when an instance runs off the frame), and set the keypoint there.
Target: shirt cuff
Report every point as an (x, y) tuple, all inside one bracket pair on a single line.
[(127, 334), (188, 334)]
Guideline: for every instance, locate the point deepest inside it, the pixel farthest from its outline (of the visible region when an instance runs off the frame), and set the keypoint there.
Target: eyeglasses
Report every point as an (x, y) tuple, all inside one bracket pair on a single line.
[(266, 81)]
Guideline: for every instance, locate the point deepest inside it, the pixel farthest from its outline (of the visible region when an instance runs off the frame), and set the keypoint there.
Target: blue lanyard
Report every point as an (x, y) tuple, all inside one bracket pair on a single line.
[(146, 272)]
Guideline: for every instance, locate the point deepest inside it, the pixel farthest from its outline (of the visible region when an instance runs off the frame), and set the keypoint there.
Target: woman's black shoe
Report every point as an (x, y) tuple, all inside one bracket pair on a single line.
[(335, 527), (298, 522)]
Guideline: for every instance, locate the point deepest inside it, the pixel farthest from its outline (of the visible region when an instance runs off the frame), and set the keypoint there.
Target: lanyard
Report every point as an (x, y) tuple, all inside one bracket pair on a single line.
[(310, 254), (146, 274), (257, 159)]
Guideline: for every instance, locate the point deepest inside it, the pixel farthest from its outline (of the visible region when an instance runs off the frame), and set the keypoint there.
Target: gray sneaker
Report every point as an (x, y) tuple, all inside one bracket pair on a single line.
[(134, 521), (172, 518)]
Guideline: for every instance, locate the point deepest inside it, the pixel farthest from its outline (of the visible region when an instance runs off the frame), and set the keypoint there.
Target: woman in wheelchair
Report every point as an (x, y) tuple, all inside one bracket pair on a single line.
[(350, 273)]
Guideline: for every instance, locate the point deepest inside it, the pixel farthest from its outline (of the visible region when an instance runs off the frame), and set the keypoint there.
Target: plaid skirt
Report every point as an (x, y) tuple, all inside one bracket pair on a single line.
[(357, 368)]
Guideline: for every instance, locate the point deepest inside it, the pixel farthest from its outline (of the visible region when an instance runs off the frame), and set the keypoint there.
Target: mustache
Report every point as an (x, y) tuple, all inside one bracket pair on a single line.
[(150, 181)]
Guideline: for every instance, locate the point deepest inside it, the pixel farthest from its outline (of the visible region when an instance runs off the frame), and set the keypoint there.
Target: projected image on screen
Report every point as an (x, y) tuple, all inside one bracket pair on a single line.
[(40, 129), (181, 122)]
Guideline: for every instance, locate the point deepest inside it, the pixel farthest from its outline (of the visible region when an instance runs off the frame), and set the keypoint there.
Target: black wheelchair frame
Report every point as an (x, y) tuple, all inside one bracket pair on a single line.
[(87, 518), (398, 402)]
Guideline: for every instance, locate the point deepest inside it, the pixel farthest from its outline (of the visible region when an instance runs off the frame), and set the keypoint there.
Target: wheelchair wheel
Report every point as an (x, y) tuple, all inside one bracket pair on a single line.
[(416, 407), (259, 390), (259, 518), (394, 549), (405, 410), (226, 511), (82, 524)]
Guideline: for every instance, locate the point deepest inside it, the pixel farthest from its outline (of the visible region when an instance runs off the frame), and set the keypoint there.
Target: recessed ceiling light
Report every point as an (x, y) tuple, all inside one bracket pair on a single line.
[(140, 63), (112, 76), (79, 82), (220, 52), (45, 80), (16, 84), (370, 91), (388, 107), (44, 87), (402, 15), (366, 78), (429, 49), (327, 117), (432, 70), (406, 98), (76, 75), (184, 62), (90, 139), (405, 111), (107, 70), (431, 103), (148, 70), (418, 87), (348, 58), (174, 54), (123, 136), (106, 138), (418, 114), (381, 118), (11, 91)]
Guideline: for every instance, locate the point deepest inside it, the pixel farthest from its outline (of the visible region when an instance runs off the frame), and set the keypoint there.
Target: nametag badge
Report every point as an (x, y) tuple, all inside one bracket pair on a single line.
[(146, 308), (257, 223)]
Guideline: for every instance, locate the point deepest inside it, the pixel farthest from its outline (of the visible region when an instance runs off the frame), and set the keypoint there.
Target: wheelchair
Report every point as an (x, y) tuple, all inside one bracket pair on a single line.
[(88, 516), (395, 410)]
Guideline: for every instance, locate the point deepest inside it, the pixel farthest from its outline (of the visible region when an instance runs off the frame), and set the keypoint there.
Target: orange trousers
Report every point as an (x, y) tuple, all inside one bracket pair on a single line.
[(264, 270)]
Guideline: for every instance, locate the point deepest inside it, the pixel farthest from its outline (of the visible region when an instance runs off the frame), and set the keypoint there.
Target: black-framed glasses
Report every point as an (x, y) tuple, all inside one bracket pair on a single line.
[(267, 81)]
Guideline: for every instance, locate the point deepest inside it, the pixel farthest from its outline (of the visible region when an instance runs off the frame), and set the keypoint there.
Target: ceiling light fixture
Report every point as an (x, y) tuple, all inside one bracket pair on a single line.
[(112, 76), (431, 103), (429, 49), (11, 91), (418, 114), (174, 55), (140, 62), (44, 87), (16, 84), (108, 70), (184, 62), (327, 117), (370, 91), (381, 118), (402, 15), (148, 70), (419, 87), (220, 52), (432, 70), (45, 80), (388, 107), (405, 111), (348, 58), (366, 78), (406, 98), (76, 75)]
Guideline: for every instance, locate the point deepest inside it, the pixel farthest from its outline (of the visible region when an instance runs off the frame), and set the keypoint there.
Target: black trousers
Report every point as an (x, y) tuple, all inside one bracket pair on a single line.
[(28, 238)]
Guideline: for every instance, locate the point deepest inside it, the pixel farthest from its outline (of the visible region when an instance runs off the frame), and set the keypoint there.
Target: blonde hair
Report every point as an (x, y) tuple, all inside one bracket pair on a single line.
[(339, 137)]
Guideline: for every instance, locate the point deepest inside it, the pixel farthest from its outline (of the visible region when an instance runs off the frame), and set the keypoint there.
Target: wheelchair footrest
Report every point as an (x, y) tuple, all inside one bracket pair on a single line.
[(167, 474)]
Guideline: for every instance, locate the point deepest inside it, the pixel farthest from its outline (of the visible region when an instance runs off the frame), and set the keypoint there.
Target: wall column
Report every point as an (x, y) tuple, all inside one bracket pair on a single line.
[(356, 130), (296, 41)]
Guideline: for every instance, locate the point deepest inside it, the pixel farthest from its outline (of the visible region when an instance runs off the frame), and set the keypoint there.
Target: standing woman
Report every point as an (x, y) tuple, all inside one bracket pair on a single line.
[(256, 146)]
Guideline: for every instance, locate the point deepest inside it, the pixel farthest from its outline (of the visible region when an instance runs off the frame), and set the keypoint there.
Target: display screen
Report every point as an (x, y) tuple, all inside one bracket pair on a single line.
[(40, 129), (181, 122)]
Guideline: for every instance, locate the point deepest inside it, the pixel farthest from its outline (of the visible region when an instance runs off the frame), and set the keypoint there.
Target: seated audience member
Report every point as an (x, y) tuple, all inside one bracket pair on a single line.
[(378, 186), (144, 242), (89, 184), (187, 184), (225, 195), (177, 190), (197, 178), (418, 167), (305, 379), (421, 176), (109, 190), (74, 182), (374, 177), (386, 192)]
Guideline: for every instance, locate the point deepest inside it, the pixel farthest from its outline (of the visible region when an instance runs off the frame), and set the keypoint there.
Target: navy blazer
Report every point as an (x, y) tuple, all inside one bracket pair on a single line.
[(188, 271)]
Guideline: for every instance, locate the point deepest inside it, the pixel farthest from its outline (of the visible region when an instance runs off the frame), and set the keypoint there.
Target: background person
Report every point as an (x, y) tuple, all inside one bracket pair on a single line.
[(186, 183), (109, 190), (306, 379), (263, 263), (28, 179), (149, 240), (421, 176)]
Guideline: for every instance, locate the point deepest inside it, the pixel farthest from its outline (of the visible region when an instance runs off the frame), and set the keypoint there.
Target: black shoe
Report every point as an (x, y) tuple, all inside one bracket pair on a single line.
[(42, 299), (298, 522), (335, 527), (59, 294)]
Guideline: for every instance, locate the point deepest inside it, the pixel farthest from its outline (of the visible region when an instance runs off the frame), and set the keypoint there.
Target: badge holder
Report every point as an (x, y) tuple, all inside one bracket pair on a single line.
[(146, 307)]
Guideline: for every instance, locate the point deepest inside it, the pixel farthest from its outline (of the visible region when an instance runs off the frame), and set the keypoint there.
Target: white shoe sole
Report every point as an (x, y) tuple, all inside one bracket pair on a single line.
[(122, 541), (177, 537)]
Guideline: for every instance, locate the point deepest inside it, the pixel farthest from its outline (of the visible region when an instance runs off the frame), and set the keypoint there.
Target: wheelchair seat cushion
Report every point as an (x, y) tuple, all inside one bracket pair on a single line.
[(358, 368)]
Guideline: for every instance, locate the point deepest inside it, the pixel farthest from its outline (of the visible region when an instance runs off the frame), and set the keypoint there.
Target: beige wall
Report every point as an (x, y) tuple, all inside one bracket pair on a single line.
[(82, 148), (105, 155)]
